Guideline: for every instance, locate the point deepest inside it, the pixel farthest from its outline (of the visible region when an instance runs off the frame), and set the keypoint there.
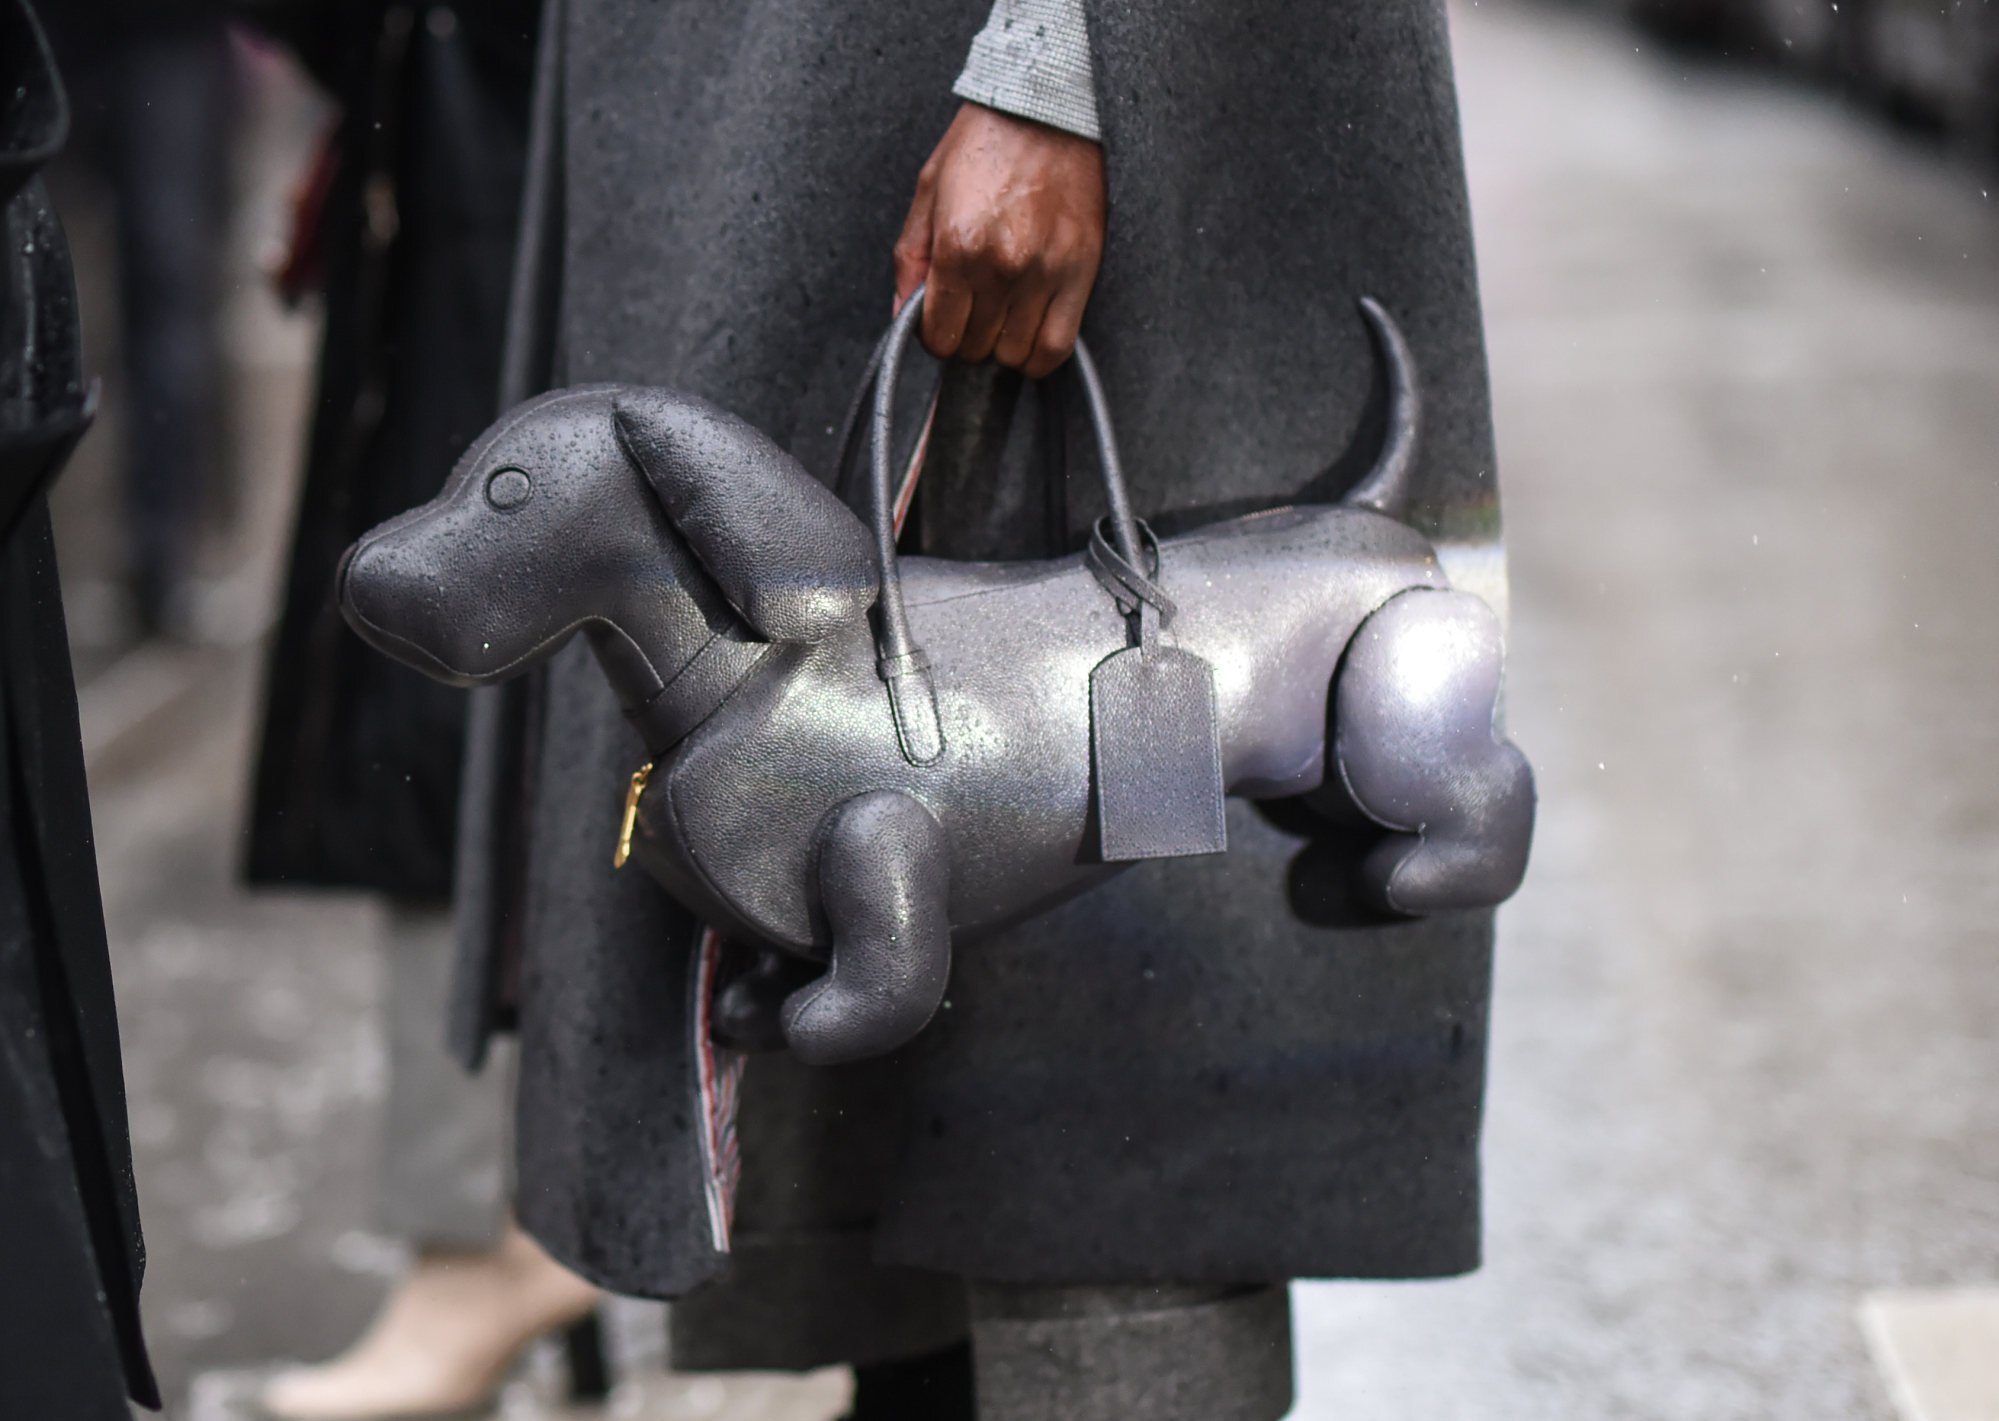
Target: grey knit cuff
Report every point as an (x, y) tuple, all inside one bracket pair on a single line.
[(1033, 59)]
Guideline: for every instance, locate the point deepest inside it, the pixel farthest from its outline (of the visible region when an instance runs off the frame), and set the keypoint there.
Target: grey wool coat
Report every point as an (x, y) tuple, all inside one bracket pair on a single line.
[(1210, 1069)]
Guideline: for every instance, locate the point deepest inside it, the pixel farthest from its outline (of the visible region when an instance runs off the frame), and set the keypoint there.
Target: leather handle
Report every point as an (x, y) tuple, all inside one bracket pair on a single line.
[(898, 659)]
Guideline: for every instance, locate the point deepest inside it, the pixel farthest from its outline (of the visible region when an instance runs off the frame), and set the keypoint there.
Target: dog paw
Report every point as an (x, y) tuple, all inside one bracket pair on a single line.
[(1418, 752), (1475, 859), (831, 1023), (884, 876)]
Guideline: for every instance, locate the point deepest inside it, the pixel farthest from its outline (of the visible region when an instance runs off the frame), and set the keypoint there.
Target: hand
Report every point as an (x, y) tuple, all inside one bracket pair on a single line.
[(1007, 228)]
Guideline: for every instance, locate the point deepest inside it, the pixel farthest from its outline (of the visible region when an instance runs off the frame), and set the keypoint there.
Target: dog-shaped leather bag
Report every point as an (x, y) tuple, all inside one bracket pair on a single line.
[(860, 791)]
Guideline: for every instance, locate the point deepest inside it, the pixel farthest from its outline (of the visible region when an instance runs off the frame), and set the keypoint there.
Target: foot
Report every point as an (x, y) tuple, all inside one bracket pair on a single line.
[(443, 1342), (1417, 750), (884, 882)]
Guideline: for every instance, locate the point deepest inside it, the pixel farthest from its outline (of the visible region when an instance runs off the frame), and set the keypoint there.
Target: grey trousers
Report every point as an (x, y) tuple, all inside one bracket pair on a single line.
[(1186, 1353), (1181, 1353), (803, 1290), (444, 1178)]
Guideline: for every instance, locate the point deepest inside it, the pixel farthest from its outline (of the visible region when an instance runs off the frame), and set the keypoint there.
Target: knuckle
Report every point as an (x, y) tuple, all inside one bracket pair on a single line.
[(1011, 257), (957, 249)]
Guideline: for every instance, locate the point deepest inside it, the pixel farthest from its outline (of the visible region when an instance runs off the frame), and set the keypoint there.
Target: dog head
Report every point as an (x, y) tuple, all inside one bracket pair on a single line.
[(650, 520)]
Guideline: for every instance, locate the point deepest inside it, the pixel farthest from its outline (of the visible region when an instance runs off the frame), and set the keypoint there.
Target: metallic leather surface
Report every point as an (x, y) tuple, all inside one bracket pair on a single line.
[(724, 591)]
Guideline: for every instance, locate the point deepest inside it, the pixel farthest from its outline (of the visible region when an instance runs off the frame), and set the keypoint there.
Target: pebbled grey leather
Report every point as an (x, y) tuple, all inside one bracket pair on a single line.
[(884, 885), (804, 799), (1156, 755)]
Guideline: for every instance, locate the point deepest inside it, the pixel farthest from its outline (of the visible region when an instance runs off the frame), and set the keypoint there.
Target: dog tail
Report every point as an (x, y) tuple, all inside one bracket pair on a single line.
[(1385, 487)]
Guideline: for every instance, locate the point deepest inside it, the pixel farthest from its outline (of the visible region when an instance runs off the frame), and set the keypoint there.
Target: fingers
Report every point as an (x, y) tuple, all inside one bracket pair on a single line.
[(991, 297), (973, 272), (1021, 326), (912, 248), (1055, 338), (947, 311), (982, 327), (1007, 229)]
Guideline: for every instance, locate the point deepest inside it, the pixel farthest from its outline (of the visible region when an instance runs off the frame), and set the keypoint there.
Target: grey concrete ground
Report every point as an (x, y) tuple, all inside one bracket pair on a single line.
[(1745, 346), (1746, 350)]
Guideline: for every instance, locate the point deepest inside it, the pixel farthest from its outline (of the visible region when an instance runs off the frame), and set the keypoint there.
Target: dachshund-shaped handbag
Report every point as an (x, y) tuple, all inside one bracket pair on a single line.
[(1003, 735)]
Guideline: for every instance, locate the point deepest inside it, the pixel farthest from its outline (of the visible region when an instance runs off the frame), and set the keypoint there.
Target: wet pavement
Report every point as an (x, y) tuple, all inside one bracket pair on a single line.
[(1746, 353)]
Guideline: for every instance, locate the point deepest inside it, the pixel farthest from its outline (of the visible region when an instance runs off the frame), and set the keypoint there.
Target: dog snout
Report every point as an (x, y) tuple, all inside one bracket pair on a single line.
[(387, 594), (368, 588)]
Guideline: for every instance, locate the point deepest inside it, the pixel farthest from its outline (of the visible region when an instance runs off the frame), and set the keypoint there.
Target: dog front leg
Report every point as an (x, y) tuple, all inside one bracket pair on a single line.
[(884, 882), (1415, 746)]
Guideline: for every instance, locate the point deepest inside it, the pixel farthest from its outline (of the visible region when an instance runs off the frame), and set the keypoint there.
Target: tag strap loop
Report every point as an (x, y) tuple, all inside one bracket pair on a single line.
[(1129, 587)]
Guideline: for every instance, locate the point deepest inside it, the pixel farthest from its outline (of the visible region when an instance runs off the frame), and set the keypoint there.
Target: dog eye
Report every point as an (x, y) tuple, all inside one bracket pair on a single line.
[(508, 488)]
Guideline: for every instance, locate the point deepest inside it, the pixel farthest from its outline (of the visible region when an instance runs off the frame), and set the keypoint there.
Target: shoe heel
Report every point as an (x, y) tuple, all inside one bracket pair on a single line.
[(589, 1363)]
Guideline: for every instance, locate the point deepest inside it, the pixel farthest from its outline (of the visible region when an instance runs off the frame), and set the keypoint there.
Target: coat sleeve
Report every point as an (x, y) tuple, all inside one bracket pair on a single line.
[(1033, 59)]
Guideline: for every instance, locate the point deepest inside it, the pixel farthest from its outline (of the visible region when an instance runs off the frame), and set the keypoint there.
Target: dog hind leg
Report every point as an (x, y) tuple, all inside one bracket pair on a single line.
[(1416, 748), (884, 881)]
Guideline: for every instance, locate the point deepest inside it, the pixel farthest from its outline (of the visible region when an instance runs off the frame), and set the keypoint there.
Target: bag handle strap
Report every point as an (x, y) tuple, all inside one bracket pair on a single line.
[(1118, 561)]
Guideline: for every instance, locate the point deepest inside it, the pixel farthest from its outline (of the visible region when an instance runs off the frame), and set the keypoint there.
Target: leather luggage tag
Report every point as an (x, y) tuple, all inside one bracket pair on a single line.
[(1155, 737)]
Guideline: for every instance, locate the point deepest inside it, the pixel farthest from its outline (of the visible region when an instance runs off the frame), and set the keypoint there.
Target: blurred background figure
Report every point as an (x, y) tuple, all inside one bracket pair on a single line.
[(154, 93), (1931, 63), (404, 223)]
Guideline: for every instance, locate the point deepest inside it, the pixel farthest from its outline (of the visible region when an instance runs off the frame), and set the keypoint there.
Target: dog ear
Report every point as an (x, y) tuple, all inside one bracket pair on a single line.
[(785, 551)]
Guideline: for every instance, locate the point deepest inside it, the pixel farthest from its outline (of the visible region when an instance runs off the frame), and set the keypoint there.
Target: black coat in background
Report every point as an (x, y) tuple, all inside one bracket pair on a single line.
[(1208, 1069), (70, 1250), (357, 778)]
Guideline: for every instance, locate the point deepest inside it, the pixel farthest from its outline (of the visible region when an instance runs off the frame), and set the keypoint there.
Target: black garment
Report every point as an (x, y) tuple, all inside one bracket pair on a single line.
[(83, 30), (357, 780), (1208, 1070), (934, 1387), (70, 1250)]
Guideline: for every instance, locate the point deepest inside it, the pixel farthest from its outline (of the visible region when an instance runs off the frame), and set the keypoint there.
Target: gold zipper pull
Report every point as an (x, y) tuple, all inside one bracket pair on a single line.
[(631, 819)]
